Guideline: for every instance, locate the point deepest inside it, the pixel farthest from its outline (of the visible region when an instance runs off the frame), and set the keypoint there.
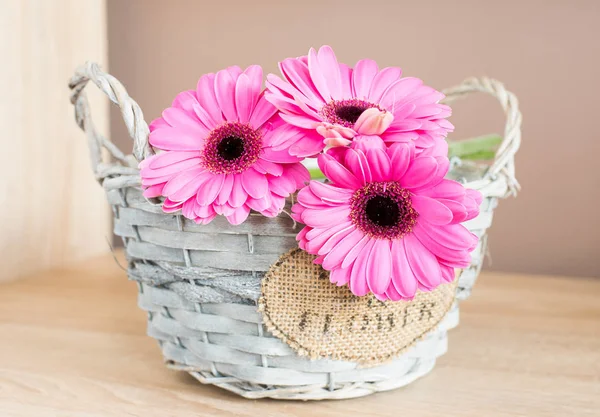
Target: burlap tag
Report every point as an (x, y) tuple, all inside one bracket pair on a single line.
[(321, 320)]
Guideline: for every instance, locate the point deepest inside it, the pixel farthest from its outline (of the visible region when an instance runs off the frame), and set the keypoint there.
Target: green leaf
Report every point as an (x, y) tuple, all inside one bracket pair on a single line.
[(479, 148), (316, 174)]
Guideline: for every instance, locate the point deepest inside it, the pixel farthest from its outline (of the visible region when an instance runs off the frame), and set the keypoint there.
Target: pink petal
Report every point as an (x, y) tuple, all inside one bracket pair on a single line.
[(266, 167), (335, 239), (338, 174), (154, 191), (190, 189), (244, 101), (439, 250), (225, 193), (318, 237), (358, 281), (393, 294), (238, 195), (204, 117), (399, 137), (355, 251), (300, 121), (337, 254), (298, 173), (420, 172), (406, 125), (167, 158), (380, 164), (340, 276), (203, 211), (255, 76), (401, 155), (234, 71), (255, 184), (330, 194), (326, 217), (171, 206), (331, 71), (170, 170), (403, 278), (260, 204), (176, 139), (262, 112), (448, 273), (431, 210), (180, 119), (399, 90), (157, 124), (239, 216), (147, 182), (225, 94), (459, 212), (180, 180), (446, 189), (379, 267), (185, 101), (356, 162), (308, 199), (453, 236), (282, 186), (297, 74), (210, 190), (365, 71), (422, 262), (346, 80), (224, 210), (317, 75), (475, 195), (205, 93), (382, 81), (205, 220)]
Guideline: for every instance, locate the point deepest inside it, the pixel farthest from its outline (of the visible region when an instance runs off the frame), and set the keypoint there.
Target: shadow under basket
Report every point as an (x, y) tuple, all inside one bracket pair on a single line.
[(200, 284)]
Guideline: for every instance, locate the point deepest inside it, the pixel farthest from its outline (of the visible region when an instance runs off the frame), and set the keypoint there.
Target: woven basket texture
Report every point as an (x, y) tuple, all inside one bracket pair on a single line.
[(200, 283)]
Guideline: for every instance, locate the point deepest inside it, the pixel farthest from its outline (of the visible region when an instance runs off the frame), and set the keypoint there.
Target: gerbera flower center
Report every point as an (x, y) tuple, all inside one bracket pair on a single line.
[(383, 210), (345, 112), (231, 148)]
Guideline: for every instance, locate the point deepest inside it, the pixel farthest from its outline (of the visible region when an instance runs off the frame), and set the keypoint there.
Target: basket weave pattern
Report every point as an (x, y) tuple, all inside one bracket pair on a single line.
[(200, 284)]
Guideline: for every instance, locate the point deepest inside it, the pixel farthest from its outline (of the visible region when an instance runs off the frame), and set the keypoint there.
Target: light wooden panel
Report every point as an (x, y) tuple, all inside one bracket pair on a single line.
[(51, 208)]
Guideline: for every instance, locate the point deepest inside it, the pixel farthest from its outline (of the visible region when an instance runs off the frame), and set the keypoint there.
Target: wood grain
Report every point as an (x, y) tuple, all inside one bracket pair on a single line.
[(74, 344), (52, 210)]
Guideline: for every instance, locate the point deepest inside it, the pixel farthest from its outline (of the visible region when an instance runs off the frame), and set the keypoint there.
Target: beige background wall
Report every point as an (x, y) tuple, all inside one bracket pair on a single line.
[(51, 209), (545, 51)]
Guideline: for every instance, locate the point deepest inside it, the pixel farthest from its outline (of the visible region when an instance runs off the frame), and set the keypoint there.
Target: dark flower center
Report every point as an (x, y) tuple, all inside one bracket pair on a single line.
[(349, 113), (230, 148), (382, 211), (345, 112)]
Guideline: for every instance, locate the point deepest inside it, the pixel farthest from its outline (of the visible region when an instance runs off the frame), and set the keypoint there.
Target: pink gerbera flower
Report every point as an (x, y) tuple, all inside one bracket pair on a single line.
[(218, 156), (330, 104), (388, 223)]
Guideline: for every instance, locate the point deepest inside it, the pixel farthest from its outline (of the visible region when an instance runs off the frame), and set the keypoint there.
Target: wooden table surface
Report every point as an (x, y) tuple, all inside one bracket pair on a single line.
[(73, 344)]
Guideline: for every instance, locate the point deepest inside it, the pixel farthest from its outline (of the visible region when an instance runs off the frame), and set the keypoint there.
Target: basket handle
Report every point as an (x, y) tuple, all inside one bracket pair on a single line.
[(130, 110), (504, 162)]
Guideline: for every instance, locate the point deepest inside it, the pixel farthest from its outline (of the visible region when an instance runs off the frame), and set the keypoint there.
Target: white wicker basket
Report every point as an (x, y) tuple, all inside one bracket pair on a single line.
[(200, 284)]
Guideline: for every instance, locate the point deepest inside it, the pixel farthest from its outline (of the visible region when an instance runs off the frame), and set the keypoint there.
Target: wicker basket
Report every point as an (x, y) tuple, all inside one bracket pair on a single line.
[(200, 284)]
